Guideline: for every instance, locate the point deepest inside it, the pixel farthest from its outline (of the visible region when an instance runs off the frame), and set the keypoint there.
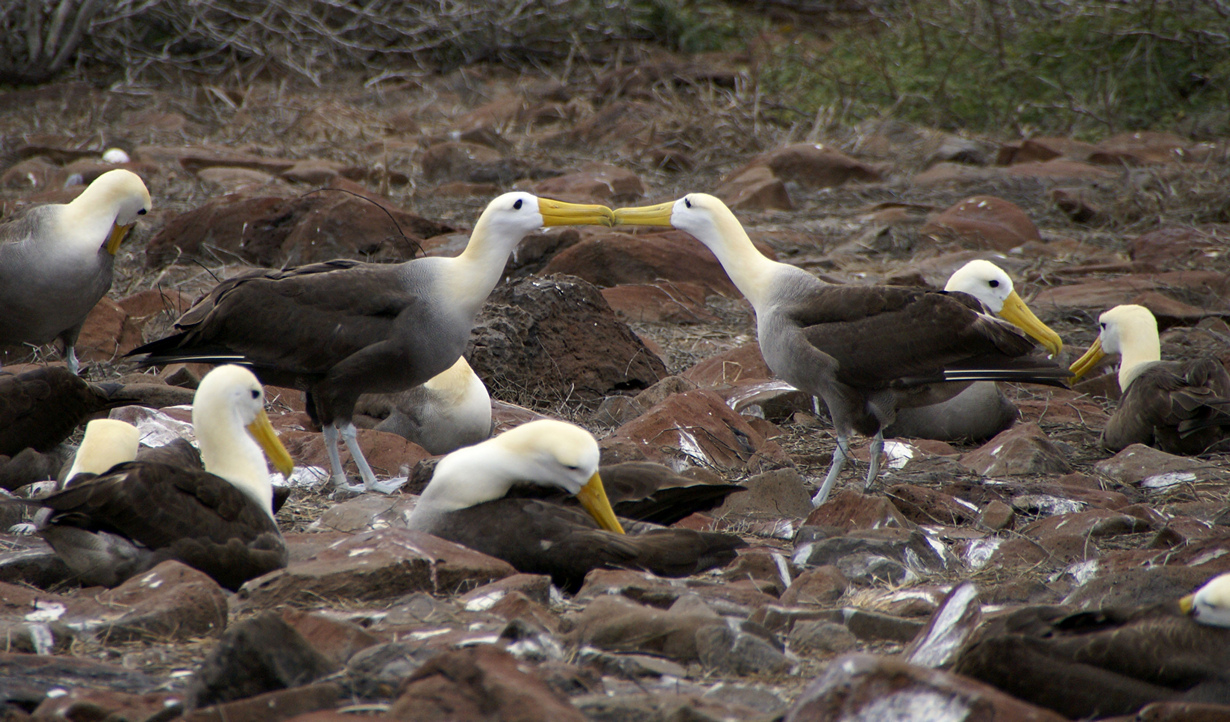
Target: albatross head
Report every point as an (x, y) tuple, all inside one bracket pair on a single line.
[(1211, 603), (1131, 332), (989, 284), (121, 197), (546, 452), (228, 416), (513, 215)]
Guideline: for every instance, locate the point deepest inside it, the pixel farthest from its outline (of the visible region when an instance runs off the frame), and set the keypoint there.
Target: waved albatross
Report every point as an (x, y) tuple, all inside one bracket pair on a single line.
[(138, 514), (865, 350), (450, 410), (56, 261), (42, 407), (343, 328), (474, 500), (1181, 407), (1109, 662), (980, 411)]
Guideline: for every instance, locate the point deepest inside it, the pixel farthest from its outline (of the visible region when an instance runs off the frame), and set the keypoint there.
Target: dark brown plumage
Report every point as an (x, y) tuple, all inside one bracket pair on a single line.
[(42, 407), (172, 512), (1102, 663), (1180, 407), (542, 537)]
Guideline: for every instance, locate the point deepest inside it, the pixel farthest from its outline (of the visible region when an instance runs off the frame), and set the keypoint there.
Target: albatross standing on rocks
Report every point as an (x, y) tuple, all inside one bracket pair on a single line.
[(486, 497), (343, 328), (219, 520), (865, 350), (56, 261), (1180, 407)]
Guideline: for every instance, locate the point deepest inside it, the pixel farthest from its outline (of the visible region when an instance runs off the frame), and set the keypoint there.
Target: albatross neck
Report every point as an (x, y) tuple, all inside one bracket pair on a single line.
[(229, 452), (473, 274), (1139, 348), (751, 272), (85, 222)]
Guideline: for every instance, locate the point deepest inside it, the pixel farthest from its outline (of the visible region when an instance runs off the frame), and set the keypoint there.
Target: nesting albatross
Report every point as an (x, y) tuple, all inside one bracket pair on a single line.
[(980, 411), (1181, 407), (1107, 662), (486, 497), (865, 350), (343, 328), (219, 520), (450, 410), (56, 261)]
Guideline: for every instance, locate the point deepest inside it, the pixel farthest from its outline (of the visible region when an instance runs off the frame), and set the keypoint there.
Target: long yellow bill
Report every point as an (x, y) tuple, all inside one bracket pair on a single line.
[(593, 498), (117, 236), (264, 434), (1082, 365), (1186, 604), (1018, 314), (559, 213), (659, 215)]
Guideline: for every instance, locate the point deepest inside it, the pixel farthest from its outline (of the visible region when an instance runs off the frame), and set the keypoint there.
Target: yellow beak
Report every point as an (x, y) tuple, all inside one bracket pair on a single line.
[(1186, 604), (559, 213), (117, 236), (1018, 314), (1082, 365), (593, 498), (659, 215), (264, 434)]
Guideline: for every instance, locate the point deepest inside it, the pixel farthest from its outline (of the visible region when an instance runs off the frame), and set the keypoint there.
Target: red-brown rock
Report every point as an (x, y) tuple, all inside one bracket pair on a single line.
[(681, 302), (272, 231), (696, 427), (479, 683), (386, 452), (821, 585), (377, 565), (456, 160), (983, 222), (1023, 449), (271, 706), (848, 510), (813, 165), (336, 639), (594, 183), (744, 363), (755, 188), (170, 601), (108, 333)]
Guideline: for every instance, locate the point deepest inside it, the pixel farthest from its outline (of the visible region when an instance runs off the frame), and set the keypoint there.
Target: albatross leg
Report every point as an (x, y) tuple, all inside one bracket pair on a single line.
[(876, 451), (839, 461), (350, 436), (72, 360), (335, 460)]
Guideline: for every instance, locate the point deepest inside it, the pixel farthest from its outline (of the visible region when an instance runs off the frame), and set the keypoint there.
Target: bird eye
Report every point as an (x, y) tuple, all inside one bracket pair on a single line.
[(571, 467), (141, 212), (1103, 326), (256, 394), (517, 205), (994, 284), (687, 202)]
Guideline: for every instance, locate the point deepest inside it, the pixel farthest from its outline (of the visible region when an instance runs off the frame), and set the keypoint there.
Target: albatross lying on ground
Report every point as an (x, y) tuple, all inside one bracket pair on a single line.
[(137, 514), (343, 328), (451, 410), (42, 407), (471, 500), (1181, 407), (1110, 662), (980, 411), (56, 261), (865, 350)]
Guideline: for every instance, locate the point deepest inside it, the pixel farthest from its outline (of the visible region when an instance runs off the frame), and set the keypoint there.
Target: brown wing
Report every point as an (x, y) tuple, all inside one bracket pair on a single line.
[(1181, 407), (300, 321), (651, 492), (42, 407), (878, 334), (538, 537), (178, 513)]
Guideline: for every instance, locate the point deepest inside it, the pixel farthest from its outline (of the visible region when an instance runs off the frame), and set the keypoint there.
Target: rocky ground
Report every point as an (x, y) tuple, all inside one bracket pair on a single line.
[(641, 338)]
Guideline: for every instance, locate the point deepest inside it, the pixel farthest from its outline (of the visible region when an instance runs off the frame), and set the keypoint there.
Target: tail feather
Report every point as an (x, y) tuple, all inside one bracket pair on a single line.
[(168, 350), (1046, 376)]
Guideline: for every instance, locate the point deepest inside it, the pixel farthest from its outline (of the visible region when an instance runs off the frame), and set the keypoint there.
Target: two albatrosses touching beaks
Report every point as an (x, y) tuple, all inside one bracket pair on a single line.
[(343, 328), (980, 411), (1108, 662), (219, 520), (495, 497), (865, 350), (1181, 407), (56, 261)]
